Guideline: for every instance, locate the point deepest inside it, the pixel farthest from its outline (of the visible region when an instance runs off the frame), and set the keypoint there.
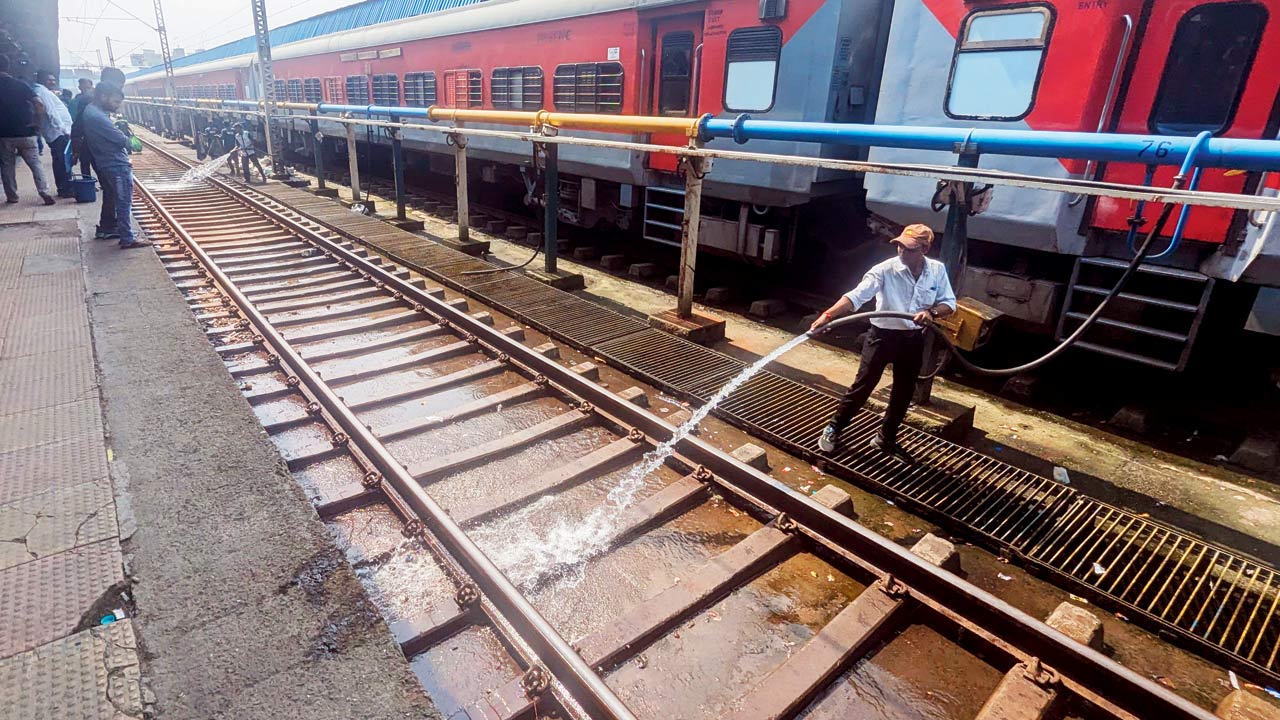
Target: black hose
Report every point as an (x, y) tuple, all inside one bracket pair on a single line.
[(1055, 352), (536, 250)]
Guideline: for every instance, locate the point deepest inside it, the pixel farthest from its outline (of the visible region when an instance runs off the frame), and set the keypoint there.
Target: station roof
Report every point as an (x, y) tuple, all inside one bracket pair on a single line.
[(363, 14)]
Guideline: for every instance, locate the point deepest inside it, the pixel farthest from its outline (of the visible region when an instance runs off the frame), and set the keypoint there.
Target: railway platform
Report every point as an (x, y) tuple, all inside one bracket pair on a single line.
[(135, 485)]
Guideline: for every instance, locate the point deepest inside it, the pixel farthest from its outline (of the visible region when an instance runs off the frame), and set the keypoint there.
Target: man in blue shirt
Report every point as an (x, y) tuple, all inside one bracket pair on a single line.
[(909, 283), (109, 148)]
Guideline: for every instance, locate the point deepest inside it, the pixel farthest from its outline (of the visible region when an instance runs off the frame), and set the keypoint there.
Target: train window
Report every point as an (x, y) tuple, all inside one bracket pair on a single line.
[(997, 63), (676, 72), (357, 90), (386, 90), (516, 88), (295, 91), (588, 87), (334, 92), (1213, 49), (227, 92), (463, 89), (420, 89), (751, 68), (280, 89), (311, 91)]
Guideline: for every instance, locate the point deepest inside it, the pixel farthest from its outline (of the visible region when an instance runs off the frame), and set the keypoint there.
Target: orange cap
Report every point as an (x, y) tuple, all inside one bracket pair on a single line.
[(915, 236)]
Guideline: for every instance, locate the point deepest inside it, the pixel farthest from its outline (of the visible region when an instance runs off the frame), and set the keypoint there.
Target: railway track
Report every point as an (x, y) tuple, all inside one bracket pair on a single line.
[(511, 475)]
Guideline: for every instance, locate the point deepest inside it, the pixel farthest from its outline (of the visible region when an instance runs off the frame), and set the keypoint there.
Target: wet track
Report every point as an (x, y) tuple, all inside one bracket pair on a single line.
[(442, 443)]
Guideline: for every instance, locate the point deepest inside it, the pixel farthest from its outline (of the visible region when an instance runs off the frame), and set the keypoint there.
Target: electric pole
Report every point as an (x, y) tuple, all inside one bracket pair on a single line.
[(169, 89), (111, 56), (263, 36)]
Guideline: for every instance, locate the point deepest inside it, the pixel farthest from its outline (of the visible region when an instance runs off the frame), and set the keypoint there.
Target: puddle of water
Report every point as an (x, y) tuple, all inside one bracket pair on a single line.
[(700, 669), (400, 381), (513, 541), (919, 674), (357, 340), (286, 408), (439, 402), (573, 541), (329, 478), (461, 670), (476, 430), (400, 575), (262, 382), (381, 358), (302, 440), (616, 581)]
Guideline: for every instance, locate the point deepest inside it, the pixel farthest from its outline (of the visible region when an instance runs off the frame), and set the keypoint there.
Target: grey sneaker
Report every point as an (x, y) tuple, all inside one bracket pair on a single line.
[(829, 440), (878, 443)]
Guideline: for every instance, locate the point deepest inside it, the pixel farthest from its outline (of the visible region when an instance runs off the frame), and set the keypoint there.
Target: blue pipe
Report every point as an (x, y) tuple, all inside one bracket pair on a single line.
[(1235, 153), (1202, 140)]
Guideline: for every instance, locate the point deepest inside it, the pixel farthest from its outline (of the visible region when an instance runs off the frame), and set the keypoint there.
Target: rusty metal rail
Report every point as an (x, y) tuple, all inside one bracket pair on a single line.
[(902, 575)]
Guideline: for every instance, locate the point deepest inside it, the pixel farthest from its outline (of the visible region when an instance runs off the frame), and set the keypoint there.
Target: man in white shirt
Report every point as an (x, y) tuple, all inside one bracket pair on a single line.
[(55, 128), (910, 283)]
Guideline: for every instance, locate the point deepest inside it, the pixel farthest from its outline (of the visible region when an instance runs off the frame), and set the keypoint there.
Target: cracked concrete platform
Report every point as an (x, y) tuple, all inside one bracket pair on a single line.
[(92, 674), (59, 541)]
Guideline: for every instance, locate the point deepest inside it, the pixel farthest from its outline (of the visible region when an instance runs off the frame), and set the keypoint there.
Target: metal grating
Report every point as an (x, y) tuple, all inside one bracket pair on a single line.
[(1207, 595)]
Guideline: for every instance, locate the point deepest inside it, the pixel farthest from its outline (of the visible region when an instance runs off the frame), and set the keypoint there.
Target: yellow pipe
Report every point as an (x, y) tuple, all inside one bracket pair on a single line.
[(500, 117), (580, 121), (311, 108)]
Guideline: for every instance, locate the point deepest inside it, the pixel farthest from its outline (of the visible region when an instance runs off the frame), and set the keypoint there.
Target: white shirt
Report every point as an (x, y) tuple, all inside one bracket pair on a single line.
[(56, 119), (896, 289)]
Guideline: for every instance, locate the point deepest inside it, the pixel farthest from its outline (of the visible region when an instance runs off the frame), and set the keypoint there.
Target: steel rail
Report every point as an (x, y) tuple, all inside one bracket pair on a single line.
[(1078, 665), (583, 685)]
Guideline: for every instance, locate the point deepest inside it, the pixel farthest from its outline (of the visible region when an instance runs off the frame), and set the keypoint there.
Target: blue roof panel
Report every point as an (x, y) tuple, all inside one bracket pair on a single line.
[(370, 12)]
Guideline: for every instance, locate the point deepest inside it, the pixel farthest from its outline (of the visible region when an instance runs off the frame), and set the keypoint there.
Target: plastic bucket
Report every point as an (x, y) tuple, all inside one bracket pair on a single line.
[(84, 188)]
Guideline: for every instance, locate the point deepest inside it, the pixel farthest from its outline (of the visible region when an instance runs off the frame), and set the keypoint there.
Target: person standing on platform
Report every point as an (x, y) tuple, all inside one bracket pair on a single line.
[(78, 105), (107, 218), (110, 150), (909, 283), (55, 128), (18, 123), (248, 152)]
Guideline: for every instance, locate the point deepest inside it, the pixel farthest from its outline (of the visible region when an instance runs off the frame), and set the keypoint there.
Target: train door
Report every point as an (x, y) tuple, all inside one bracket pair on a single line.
[(1200, 66), (673, 86)]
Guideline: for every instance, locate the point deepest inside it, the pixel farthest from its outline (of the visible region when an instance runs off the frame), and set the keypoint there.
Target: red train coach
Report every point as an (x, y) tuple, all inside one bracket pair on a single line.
[(1169, 67)]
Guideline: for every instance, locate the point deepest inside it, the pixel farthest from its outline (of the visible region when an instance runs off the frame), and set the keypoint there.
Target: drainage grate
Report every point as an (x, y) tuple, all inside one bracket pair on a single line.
[(1210, 594), (1222, 603)]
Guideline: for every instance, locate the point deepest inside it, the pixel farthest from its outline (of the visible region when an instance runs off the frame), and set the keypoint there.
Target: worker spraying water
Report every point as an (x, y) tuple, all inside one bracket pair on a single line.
[(910, 283)]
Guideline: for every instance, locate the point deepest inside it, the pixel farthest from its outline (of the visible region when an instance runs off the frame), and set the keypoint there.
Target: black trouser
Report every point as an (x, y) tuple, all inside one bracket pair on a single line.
[(84, 163), (903, 348), (245, 159), (58, 148), (107, 218)]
